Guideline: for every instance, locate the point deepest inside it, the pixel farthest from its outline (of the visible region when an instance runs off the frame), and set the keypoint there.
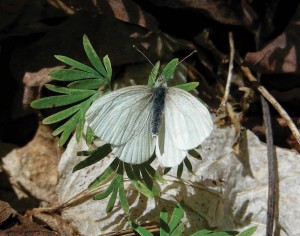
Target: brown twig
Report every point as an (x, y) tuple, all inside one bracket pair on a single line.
[(229, 76), (274, 103)]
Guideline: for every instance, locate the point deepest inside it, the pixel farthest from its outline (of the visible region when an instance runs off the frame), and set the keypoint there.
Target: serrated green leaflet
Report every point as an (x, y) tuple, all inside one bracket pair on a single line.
[(139, 229), (105, 175), (169, 69), (108, 68), (61, 100), (163, 222), (96, 156), (188, 86), (76, 64), (179, 170), (93, 57), (71, 75), (87, 84), (153, 74), (150, 183), (188, 164), (176, 217), (123, 199), (136, 183)]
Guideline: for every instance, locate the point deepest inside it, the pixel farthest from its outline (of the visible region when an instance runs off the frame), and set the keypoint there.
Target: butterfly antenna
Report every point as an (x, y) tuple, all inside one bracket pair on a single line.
[(193, 52), (136, 48)]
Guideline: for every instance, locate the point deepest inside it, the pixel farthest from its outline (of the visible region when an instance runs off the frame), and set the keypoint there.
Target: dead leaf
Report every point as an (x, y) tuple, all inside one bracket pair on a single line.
[(281, 54), (32, 168), (34, 81), (127, 11), (225, 12), (5, 211)]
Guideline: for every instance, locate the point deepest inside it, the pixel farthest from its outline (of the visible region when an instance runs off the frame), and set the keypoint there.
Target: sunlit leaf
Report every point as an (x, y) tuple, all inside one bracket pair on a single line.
[(169, 69), (248, 232), (188, 86), (71, 75), (89, 136), (68, 128), (178, 230), (163, 223), (176, 217), (155, 174), (96, 156), (139, 229), (93, 57), (58, 89)]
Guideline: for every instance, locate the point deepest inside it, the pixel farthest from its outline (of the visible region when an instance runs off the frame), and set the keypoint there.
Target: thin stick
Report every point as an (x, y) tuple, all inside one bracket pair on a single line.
[(229, 76), (274, 103)]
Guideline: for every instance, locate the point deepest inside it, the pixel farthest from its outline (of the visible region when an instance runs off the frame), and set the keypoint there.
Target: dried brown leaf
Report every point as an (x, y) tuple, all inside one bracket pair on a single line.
[(225, 12), (281, 54), (5, 211), (127, 11)]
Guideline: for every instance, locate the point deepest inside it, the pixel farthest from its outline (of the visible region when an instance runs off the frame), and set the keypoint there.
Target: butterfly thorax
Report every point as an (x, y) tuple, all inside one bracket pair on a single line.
[(158, 105)]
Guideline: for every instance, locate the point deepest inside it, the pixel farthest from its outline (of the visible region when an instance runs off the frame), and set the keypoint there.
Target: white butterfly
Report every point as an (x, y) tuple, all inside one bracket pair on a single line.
[(139, 120)]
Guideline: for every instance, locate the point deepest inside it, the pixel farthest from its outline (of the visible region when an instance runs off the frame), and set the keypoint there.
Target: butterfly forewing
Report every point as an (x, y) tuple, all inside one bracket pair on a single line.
[(120, 116)]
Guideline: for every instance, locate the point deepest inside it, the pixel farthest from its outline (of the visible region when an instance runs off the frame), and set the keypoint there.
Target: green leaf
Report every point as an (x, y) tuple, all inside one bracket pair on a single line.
[(163, 222), (112, 200), (169, 69), (188, 164), (89, 136), (155, 174), (153, 74), (87, 84), (248, 232), (93, 57), (71, 75), (67, 130), (179, 170), (136, 183), (123, 199), (96, 156), (136, 171), (206, 232), (58, 89), (108, 68), (178, 230), (76, 64), (167, 170), (176, 217), (188, 86), (195, 154), (108, 190), (139, 229), (150, 183), (61, 100), (59, 116), (105, 175)]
